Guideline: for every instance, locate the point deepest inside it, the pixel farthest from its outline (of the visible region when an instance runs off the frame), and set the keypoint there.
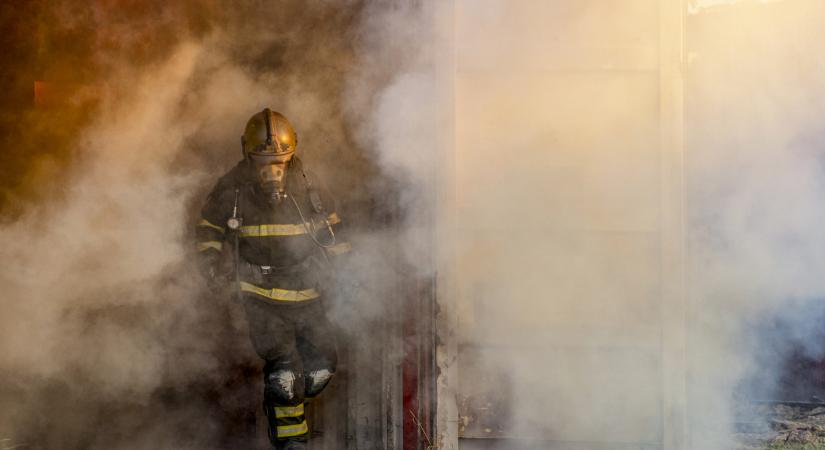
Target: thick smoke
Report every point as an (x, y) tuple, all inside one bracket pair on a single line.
[(109, 339), (755, 103), (558, 191), (557, 197), (554, 183)]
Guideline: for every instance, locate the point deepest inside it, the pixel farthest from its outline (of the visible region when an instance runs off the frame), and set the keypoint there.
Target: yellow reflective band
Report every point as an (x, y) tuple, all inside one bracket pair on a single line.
[(289, 411), (285, 431), (272, 230), (341, 248), (206, 223), (203, 246), (283, 295), (287, 229)]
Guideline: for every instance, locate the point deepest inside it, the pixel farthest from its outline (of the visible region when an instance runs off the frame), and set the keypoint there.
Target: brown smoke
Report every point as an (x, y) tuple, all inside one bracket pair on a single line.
[(122, 114), (553, 183)]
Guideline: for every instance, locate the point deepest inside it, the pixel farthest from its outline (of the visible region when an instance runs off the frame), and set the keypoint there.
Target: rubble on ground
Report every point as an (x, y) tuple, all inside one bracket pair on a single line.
[(783, 426)]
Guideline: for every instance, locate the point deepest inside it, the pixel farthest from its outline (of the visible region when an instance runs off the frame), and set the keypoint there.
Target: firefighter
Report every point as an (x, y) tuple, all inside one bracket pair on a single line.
[(281, 226)]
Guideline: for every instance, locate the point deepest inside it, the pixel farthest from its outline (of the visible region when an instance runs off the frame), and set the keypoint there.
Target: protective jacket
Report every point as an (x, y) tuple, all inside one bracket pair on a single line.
[(279, 260)]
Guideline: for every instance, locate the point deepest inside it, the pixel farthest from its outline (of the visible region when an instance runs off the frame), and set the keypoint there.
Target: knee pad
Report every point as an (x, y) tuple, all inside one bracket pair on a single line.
[(283, 387), (316, 381)]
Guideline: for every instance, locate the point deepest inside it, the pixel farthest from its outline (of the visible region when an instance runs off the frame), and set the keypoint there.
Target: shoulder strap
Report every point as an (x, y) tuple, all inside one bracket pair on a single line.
[(313, 194)]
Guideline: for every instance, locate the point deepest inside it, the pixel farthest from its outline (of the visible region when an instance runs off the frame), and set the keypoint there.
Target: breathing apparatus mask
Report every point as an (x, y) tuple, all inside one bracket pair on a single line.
[(268, 144), (271, 175)]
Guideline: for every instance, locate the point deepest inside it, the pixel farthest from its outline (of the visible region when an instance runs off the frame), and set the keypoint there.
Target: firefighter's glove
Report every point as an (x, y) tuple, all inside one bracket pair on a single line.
[(210, 269), (217, 281)]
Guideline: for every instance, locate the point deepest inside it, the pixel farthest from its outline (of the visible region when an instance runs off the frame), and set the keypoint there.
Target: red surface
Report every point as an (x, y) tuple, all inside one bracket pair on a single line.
[(417, 368)]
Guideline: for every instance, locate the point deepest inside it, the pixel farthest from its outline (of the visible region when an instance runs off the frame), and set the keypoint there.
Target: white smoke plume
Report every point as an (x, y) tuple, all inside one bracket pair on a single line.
[(107, 334), (558, 189), (756, 183), (556, 196)]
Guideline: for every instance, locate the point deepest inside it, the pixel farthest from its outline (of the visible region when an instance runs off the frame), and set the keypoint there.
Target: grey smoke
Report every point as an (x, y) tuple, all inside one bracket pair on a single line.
[(99, 306), (103, 314)]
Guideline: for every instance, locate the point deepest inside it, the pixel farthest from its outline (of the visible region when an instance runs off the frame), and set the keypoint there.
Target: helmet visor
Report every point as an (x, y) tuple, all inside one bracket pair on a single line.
[(261, 159)]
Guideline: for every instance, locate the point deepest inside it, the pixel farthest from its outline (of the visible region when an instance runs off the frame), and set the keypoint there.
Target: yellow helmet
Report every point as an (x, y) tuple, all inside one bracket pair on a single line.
[(269, 138)]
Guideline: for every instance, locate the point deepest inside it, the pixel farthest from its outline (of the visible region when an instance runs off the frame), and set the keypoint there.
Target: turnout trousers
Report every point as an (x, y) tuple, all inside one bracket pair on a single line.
[(297, 345)]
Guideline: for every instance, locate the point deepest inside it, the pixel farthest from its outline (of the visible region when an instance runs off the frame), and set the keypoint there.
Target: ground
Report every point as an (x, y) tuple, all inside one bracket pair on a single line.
[(784, 427)]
